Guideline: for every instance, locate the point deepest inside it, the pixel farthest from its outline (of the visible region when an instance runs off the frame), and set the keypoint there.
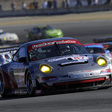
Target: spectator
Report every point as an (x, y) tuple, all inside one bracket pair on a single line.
[(55, 4), (64, 4), (24, 5), (67, 3), (89, 2), (96, 2), (108, 2), (35, 4), (0, 7), (44, 4), (49, 4), (13, 6), (79, 3)]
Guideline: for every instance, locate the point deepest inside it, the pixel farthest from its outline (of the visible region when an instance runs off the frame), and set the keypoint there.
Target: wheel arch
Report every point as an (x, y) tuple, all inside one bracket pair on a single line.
[(38, 86)]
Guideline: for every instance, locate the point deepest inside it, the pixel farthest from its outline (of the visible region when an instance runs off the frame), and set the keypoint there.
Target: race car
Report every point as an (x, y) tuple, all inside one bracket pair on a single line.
[(95, 48), (55, 64), (5, 58), (43, 32), (6, 54), (107, 46), (102, 39), (98, 48), (6, 37)]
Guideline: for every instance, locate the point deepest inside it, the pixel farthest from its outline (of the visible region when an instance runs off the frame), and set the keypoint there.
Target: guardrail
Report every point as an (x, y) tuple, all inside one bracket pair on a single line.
[(55, 11)]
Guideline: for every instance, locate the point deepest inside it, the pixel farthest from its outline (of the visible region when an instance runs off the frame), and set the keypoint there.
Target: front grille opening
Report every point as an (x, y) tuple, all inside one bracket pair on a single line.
[(74, 63), (82, 85)]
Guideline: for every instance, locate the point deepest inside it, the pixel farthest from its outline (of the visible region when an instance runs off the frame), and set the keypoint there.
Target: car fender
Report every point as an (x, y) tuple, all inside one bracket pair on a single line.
[(9, 83), (28, 70)]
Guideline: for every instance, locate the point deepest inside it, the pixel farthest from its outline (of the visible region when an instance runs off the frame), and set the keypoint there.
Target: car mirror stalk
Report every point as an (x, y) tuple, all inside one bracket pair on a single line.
[(22, 60)]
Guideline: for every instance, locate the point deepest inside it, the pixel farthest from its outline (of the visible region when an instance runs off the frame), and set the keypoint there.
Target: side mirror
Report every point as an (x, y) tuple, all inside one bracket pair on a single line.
[(22, 60)]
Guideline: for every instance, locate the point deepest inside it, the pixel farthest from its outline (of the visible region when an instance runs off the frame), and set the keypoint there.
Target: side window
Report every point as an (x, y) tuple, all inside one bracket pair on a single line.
[(19, 54)]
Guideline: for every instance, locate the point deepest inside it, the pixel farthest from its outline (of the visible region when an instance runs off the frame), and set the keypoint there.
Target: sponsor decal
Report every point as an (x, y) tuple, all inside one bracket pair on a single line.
[(76, 58), (84, 73), (43, 44), (19, 79), (105, 71)]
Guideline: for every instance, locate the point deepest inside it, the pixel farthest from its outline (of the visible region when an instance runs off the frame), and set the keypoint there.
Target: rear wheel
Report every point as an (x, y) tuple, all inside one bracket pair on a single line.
[(29, 83), (2, 86)]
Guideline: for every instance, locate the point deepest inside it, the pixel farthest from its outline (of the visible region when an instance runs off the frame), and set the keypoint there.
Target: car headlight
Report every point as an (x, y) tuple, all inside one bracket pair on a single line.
[(45, 69), (101, 61)]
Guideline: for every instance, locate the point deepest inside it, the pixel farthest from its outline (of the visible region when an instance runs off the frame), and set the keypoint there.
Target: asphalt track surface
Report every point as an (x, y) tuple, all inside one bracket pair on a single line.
[(84, 27), (84, 101)]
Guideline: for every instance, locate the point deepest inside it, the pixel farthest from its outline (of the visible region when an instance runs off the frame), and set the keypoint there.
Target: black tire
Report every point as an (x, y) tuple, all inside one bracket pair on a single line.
[(29, 86), (2, 86)]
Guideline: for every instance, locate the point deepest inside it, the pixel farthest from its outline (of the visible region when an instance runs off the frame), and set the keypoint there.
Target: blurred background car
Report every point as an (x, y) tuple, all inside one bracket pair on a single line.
[(95, 48), (8, 56), (5, 58), (41, 32), (98, 48), (2, 59), (102, 39), (6, 37)]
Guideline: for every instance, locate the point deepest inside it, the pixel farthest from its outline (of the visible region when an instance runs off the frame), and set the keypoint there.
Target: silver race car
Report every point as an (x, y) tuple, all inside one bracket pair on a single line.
[(6, 37), (51, 65)]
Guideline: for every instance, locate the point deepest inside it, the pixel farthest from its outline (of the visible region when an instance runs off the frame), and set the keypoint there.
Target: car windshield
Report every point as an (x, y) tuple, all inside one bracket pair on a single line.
[(95, 50), (56, 50)]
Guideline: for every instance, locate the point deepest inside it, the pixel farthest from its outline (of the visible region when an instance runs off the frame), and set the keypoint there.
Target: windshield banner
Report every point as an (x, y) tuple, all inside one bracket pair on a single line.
[(43, 44)]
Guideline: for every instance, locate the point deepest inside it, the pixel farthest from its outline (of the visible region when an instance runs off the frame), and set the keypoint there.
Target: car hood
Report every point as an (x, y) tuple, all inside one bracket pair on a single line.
[(70, 63)]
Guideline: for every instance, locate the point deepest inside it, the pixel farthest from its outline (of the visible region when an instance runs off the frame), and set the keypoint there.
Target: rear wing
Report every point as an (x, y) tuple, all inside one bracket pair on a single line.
[(102, 39)]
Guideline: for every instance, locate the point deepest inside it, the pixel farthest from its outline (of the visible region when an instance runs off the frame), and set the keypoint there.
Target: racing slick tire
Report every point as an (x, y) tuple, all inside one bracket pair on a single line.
[(2, 86), (31, 91)]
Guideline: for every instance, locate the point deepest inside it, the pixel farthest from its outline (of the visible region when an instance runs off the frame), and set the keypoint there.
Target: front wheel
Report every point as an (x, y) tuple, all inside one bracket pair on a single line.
[(29, 83)]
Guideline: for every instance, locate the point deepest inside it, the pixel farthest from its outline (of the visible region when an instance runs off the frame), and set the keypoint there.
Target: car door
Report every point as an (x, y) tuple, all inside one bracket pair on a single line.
[(17, 69)]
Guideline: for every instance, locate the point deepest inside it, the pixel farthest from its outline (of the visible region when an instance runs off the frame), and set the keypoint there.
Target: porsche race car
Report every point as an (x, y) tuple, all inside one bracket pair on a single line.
[(51, 65), (43, 32), (6, 37)]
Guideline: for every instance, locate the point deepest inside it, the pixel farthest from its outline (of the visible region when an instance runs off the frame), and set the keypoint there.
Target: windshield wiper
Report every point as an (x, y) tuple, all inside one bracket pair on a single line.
[(58, 48)]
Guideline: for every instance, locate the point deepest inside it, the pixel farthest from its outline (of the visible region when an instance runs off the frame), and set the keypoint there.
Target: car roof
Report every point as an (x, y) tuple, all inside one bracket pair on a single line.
[(47, 40), (98, 45)]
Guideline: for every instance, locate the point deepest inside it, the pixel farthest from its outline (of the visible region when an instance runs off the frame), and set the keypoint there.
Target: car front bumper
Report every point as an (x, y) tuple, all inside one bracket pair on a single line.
[(96, 82)]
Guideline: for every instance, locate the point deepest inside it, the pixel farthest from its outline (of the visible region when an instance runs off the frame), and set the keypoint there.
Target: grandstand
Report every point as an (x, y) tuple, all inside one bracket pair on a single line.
[(6, 4)]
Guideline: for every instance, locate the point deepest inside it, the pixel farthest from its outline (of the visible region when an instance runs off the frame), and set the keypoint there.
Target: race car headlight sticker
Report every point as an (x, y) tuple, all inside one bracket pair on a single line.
[(5, 38), (102, 61), (45, 68)]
